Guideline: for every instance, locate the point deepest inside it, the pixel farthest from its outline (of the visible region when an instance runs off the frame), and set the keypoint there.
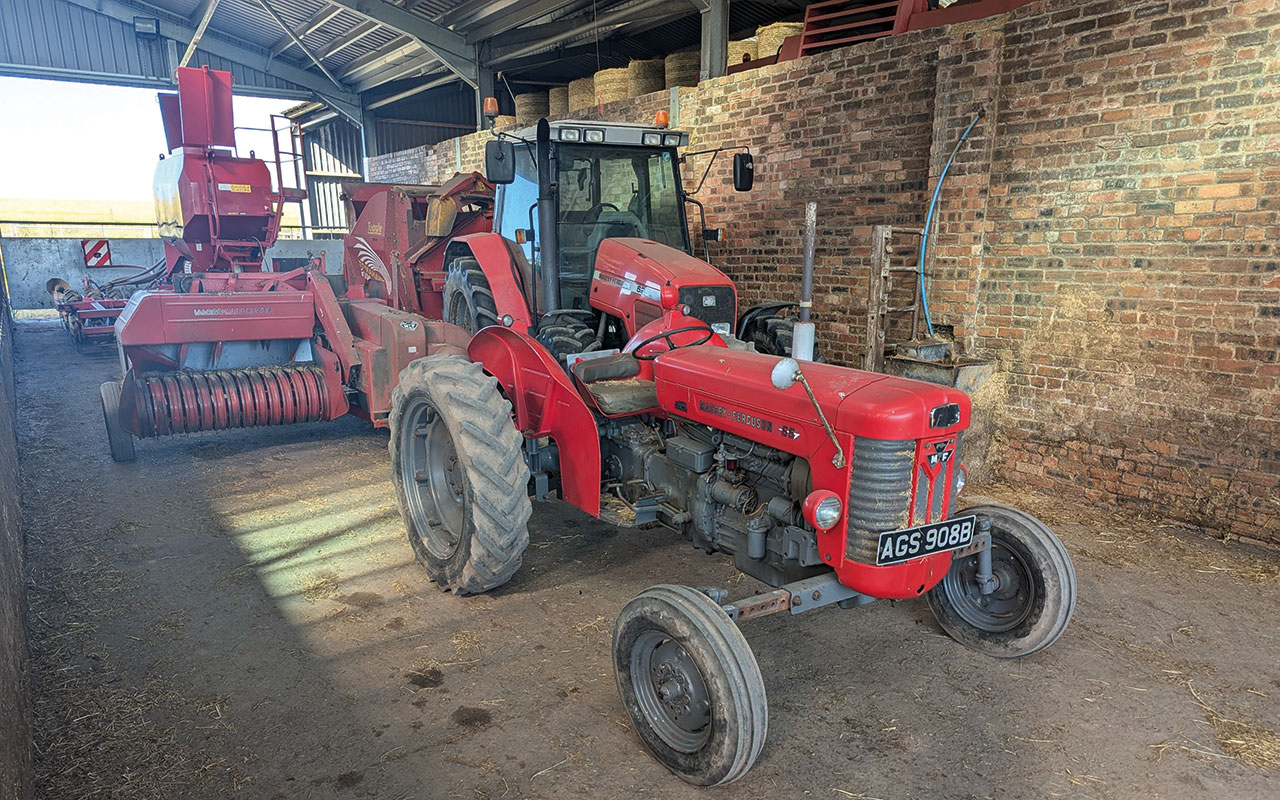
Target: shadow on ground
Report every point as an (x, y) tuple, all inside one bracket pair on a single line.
[(238, 615)]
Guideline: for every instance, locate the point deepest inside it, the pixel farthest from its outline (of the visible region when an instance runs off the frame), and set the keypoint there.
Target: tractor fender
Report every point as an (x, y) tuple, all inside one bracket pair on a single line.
[(505, 268), (545, 404)]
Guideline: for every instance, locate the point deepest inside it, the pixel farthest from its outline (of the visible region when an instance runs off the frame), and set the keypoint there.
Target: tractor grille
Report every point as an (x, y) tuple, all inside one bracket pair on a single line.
[(943, 485), (879, 493), (721, 308)]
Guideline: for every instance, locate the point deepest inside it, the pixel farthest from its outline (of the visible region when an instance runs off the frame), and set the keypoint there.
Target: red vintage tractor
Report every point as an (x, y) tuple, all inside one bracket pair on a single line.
[(560, 339)]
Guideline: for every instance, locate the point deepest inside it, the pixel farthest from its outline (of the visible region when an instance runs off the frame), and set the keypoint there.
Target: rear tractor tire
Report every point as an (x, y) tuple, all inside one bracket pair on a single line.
[(566, 333), (119, 440), (691, 685), (468, 298), (1034, 596), (459, 472), (771, 333)]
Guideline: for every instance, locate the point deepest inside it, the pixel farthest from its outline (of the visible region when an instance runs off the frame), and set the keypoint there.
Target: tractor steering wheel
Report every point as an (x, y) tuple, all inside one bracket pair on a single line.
[(595, 211), (671, 345)]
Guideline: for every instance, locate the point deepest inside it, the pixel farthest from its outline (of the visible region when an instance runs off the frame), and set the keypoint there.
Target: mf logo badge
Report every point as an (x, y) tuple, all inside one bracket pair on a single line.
[(409, 325), (941, 453), (371, 264)]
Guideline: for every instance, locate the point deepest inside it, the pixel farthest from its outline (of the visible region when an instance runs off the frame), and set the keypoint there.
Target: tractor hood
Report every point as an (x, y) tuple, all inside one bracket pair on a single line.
[(734, 386), (652, 265)]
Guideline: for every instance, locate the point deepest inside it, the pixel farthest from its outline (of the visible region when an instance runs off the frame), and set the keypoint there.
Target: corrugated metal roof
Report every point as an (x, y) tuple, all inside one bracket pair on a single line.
[(49, 37)]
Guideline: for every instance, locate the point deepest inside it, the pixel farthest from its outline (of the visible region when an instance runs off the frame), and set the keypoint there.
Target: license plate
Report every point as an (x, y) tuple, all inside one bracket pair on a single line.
[(896, 547)]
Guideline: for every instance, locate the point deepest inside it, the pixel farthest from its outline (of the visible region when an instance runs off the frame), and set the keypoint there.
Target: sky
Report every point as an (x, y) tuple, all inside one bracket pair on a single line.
[(64, 140)]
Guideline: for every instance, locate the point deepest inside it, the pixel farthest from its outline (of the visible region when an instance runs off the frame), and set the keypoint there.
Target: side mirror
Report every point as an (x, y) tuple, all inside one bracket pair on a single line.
[(784, 374), (499, 161), (744, 172), (713, 234)]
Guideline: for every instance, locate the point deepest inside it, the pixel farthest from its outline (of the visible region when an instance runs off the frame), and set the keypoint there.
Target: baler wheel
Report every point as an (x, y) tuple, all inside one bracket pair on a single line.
[(468, 300), (120, 440), (691, 685), (458, 466), (1034, 597)]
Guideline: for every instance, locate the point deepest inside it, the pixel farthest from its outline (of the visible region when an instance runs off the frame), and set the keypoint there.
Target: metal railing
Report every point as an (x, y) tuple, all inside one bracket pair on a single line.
[(41, 229)]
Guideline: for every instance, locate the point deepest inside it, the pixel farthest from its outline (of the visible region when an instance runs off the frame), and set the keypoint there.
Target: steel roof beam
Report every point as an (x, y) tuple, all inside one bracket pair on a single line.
[(396, 71), (522, 14), (310, 26), (376, 59), (450, 47), (200, 19), (346, 102), (342, 42), (305, 50), (621, 14)]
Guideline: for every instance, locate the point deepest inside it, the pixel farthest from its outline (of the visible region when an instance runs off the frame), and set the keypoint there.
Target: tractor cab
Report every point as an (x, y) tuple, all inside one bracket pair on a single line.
[(607, 180), (598, 209)]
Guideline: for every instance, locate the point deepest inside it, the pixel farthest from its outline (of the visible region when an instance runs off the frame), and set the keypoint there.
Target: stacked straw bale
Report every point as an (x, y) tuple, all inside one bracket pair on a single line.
[(531, 107), (769, 38), (558, 101), (681, 69), (582, 93), (746, 47), (645, 76), (611, 85)]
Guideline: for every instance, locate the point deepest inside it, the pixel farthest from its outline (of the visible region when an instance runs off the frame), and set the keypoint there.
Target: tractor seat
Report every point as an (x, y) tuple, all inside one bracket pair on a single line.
[(612, 383)]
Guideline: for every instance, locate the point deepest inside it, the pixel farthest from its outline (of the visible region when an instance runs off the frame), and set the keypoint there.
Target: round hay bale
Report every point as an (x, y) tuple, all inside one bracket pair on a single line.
[(769, 38), (582, 93), (681, 69), (744, 50), (531, 107), (645, 76), (558, 101), (503, 121), (611, 85)]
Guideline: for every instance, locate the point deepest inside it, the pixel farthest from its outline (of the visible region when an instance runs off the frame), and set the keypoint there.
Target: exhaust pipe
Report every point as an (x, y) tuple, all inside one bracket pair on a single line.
[(803, 338), (547, 245)]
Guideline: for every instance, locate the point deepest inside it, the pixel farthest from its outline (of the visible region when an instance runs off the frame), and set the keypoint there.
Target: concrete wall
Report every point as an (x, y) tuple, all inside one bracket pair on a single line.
[(15, 710), (1107, 234), (32, 262)]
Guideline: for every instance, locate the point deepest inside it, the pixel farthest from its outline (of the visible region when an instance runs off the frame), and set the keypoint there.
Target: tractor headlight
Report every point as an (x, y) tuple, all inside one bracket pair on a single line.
[(822, 509), (962, 477), (593, 135), (671, 140), (570, 135), (651, 140)]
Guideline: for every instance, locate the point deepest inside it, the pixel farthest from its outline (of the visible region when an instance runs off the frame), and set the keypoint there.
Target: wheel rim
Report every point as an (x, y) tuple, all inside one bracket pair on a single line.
[(671, 692), (433, 478), (1005, 608)]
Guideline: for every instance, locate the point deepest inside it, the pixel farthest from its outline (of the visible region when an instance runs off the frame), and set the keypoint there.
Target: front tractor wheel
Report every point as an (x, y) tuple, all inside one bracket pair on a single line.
[(1033, 596), (691, 685), (459, 472)]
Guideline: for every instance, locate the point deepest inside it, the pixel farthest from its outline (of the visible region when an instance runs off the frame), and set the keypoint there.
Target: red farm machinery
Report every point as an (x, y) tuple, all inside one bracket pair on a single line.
[(548, 332), (216, 212)]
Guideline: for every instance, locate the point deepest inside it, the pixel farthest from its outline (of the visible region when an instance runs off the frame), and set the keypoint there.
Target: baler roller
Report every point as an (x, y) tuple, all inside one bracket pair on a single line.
[(212, 400)]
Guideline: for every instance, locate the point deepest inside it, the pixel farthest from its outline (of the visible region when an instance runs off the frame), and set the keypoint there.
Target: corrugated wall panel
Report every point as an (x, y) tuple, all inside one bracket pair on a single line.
[(332, 155), (40, 36)]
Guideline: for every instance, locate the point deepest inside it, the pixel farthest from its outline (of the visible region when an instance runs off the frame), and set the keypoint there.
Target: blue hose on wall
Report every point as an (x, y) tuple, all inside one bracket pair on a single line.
[(928, 220)]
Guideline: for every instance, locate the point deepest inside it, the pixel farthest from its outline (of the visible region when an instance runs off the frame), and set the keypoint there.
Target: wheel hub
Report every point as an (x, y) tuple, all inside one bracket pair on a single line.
[(1003, 608), (671, 692), (435, 480)]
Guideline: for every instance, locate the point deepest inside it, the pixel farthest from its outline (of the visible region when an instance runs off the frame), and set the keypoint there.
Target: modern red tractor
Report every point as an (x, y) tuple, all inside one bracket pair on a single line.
[(561, 339)]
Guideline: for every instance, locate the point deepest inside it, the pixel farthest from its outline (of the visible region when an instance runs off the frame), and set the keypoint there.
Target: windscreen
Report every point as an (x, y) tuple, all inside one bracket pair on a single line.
[(610, 192)]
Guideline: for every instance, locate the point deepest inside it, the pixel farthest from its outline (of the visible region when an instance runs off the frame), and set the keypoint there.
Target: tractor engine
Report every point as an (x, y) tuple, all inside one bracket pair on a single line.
[(729, 494)]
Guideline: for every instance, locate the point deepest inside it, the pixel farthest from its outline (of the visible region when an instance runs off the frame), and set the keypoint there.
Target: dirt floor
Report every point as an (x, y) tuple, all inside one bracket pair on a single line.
[(239, 615)]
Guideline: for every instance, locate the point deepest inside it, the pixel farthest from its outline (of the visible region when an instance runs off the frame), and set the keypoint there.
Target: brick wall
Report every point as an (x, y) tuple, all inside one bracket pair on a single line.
[(1107, 233)]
